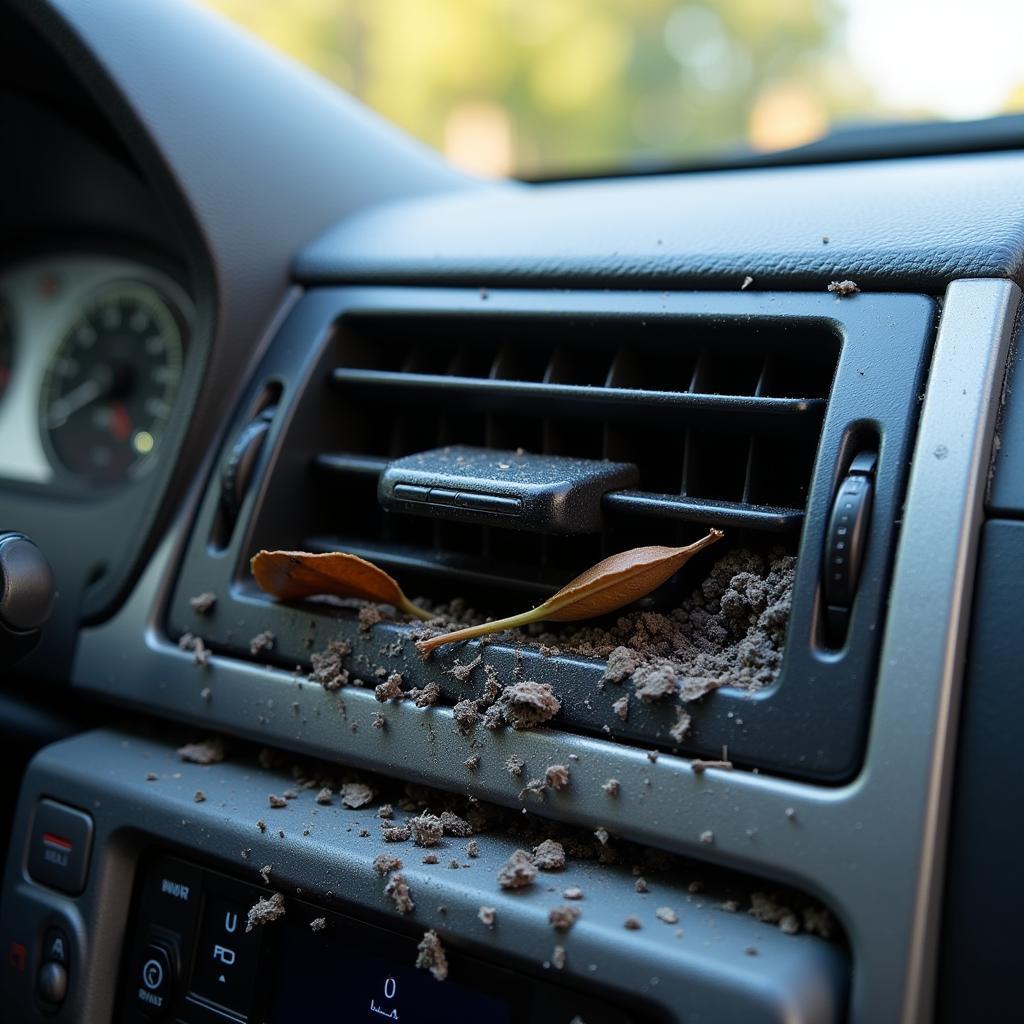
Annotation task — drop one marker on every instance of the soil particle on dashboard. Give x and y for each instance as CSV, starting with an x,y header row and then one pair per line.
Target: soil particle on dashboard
x,y
549,855
641,885
557,776
261,825
472,762
386,811
844,289
199,796
707,837
612,787
262,642
426,696
379,721
427,829
318,924
632,924
656,681
514,766
518,871
265,910
525,704
369,616
203,752
328,668
355,795
770,910
200,652
472,848
265,873
558,959
667,914
325,796
453,825
275,801
466,714
398,889
390,689
430,858
431,955
574,892
487,916
384,863
203,604
621,707
562,918
395,833
461,673
151,776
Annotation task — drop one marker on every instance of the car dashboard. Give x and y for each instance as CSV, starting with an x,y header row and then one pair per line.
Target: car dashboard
x,y
240,313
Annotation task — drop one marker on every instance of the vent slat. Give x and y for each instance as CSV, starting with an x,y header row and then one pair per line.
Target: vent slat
x,y
492,395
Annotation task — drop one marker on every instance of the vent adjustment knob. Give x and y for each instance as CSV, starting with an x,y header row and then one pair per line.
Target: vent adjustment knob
x,y
845,542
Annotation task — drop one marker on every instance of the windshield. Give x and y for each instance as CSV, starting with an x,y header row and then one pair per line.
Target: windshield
x,y
558,87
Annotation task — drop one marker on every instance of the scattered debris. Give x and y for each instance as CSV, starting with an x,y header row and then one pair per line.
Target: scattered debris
x,y
430,858
427,829
612,787
261,825
276,801
632,923
203,604
558,959
398,889
203,752
514,766
601,835
707,837
385,863
379,721
751,951
730,906
525,704
747,282
427,696
369,616
769,910
573,893
466,714
518,871
265,873
844,289
328,670
699,766
681,728
621,707
262,642
205,694
200,652
395,833
461,673
656,681
472,762
791,813
325,795
652,756
355,795
549,855
318,924
453,825
472,848
390,689
151,776
487,916
431,955
557,776
667,914
265,910
386,811
562,918
199,796
622,663
641,885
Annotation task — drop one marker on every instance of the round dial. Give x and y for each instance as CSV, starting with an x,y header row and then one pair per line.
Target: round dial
x,y
110,388
6,345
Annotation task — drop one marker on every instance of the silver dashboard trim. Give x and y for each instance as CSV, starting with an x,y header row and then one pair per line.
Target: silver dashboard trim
x,y
836,842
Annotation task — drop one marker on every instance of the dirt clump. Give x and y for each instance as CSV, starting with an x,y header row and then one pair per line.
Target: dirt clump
x,y
200,652
667,914
386,862
262,642
632,924
199,796
355,795
328,668
202,604
574,892
514,766
275,801
395,833
431,955
390,689
562,918
325,795
265,910
518,871
487,915
525,704
844,289
203,752
612,787
453,825
398,889
427,829
549,855
557,776
318,924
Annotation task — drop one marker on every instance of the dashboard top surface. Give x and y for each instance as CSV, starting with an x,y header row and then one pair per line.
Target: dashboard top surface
x,y
911,224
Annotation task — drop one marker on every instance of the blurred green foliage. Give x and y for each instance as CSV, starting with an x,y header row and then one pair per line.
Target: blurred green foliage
x,y
577,85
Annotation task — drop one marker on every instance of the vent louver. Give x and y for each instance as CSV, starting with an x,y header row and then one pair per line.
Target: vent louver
x,y
703,409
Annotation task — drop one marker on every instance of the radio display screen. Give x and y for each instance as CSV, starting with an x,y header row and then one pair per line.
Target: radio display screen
x,y
352,971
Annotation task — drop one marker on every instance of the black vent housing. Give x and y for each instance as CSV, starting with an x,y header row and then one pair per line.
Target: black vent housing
x,y
740,410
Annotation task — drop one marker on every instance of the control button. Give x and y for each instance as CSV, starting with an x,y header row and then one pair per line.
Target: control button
x,y
52,983
56,946
59,847
225,965
155,979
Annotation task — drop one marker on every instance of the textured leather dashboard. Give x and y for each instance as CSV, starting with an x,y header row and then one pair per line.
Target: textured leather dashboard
x,y
911,224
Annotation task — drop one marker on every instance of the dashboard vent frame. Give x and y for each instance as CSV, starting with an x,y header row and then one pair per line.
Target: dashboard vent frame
x,y
812,722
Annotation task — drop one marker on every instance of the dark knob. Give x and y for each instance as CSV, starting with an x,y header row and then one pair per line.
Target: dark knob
x,y
52,983
27,585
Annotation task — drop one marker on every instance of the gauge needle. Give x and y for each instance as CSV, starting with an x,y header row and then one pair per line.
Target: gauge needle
x,y
88,391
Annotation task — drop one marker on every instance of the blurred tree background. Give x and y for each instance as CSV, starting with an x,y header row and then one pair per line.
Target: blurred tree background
x,y
564,86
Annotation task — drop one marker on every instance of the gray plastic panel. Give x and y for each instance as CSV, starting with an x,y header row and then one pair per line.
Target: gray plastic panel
x,y
871,848
703,976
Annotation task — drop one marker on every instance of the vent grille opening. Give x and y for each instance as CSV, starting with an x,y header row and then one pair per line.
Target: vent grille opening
x,y
722,416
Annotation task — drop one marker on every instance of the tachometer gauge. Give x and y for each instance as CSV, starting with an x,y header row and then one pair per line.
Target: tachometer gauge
x,y
6,345
109,390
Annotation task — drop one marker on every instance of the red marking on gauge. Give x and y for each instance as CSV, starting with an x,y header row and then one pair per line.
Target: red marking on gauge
x,y
120,422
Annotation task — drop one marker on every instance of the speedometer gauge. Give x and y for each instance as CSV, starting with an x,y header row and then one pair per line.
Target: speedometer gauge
x,y
109,390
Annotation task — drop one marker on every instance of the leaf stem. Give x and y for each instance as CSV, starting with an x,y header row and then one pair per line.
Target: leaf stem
x,y
409,608
426,647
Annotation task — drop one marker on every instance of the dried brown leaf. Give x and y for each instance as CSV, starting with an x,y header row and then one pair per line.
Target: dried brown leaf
x,y
293,575
614,582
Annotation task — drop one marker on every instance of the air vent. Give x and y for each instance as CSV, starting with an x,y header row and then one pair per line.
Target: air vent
x,y
738,410
704,410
